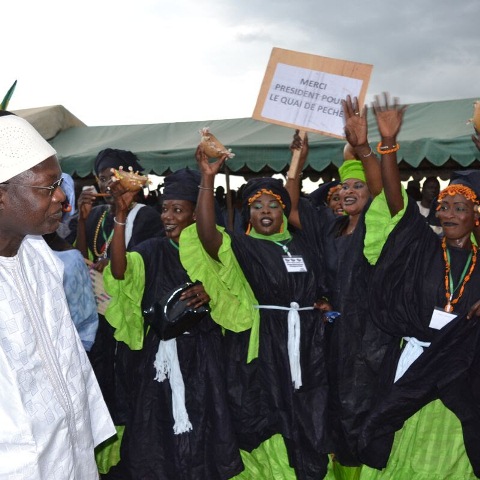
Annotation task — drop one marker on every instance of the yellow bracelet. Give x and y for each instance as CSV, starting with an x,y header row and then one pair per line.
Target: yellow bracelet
x,y
384,150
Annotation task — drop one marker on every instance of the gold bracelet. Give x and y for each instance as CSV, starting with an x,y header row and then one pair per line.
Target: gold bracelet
x,y
384,150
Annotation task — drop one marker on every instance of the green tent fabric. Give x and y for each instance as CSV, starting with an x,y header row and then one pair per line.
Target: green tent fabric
x,y
434,135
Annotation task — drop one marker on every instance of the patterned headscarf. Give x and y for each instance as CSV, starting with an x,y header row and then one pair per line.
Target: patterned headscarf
x,y
466,178
273,186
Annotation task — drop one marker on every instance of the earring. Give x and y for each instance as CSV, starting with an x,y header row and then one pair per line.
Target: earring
x,y
436,214
477,222
249,227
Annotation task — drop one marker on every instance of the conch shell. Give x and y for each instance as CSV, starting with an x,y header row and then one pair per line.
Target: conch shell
x,y
212,147
476,116
130,180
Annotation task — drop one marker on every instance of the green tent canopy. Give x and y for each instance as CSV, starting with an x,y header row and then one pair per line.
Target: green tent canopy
x,y
435,139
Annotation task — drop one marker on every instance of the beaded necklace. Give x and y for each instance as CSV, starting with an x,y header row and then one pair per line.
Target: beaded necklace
x,y
472,260
100,224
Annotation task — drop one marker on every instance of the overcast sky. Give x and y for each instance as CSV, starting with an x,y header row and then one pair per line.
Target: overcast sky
x,y
116,62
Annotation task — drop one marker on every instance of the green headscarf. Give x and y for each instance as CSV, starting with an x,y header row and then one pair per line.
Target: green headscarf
x,y
352,169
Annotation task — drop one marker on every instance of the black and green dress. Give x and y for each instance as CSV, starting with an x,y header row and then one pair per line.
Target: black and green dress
x,y
263,399
150,448
426,425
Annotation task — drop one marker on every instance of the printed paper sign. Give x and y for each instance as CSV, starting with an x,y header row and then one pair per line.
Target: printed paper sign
x,y
306,91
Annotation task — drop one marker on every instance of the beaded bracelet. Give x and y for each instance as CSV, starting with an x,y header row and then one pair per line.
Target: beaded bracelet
x,y
384,150
117,222
206,188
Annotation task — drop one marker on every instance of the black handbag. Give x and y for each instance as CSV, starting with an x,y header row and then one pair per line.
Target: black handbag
x,y
170,316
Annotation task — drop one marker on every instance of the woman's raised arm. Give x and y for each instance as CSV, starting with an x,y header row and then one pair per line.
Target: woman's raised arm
x,y
356,132
389,120
210,237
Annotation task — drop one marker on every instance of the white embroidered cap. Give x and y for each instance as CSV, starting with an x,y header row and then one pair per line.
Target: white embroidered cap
x,y
21,147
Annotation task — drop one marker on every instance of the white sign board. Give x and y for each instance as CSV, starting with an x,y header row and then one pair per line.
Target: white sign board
x,y
306,91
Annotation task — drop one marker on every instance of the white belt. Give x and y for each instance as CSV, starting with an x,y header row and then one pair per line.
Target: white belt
x,y
168,366
293,338
413,349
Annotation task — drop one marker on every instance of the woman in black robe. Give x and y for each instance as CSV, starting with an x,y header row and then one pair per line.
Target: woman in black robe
x,y
94,232
283,389
355,345
111,358
167,437
425,290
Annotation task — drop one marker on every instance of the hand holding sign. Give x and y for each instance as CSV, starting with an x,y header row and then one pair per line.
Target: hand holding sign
x,y
299,148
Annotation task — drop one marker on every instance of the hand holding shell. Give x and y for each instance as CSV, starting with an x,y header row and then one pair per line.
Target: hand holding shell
x,y
212,147
130,180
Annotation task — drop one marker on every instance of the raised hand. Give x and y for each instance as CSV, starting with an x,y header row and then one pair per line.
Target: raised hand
x,y
389,117
300,144
123,198
356,128
205,166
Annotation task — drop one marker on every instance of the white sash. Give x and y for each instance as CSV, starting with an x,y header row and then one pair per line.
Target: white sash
x,y
293,338
168,366
413,349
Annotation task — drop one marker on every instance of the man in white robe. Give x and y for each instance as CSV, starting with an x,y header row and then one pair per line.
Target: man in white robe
x,y
52,413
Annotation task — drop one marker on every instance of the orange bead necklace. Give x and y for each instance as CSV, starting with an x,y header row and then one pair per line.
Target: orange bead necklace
x,y
472,260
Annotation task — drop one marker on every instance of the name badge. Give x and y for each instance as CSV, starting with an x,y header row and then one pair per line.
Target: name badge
x,y
440,318
294,263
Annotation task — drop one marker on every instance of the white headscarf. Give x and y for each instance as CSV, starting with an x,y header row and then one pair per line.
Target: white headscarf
x,y
21,147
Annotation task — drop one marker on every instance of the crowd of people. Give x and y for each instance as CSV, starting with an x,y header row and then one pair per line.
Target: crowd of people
x,y
333,335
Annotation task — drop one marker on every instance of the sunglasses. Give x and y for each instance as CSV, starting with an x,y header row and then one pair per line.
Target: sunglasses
x,y
51,188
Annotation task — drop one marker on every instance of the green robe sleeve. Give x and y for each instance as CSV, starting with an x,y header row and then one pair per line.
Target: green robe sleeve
x,y
124,311
379,224
232,299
